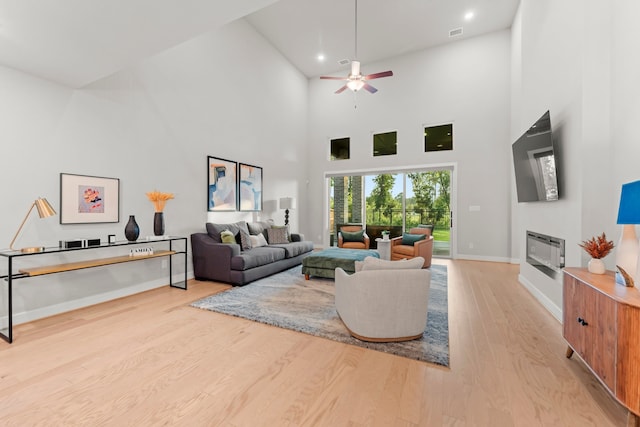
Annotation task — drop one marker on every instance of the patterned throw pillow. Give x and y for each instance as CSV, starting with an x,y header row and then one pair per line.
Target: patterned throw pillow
x,y
286,228
245,240
277,236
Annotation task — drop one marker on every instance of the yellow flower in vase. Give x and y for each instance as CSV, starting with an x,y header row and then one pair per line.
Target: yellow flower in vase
x,y
159,200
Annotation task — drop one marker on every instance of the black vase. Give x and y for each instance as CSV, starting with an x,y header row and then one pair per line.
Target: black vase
x,y
132,231
158,224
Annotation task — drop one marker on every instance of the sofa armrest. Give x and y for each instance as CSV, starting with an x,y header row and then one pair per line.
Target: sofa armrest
x,y
212,260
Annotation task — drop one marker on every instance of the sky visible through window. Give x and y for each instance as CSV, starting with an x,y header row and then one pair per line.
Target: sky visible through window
x,y
397,186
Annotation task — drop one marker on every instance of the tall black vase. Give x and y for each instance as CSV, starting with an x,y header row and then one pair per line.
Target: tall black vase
x,y
131,230
158,224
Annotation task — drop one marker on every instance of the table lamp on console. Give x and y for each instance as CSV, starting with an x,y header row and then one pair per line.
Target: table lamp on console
x,y
44,211
628,248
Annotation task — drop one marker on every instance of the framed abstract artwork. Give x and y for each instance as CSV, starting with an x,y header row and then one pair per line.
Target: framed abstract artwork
x,y
222,184
250,188
89,199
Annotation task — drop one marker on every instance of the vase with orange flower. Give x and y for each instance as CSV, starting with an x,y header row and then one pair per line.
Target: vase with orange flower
x,y
159,200
598,247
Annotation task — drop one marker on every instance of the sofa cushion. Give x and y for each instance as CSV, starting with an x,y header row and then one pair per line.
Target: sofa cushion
x,y
277,236
371,263
353,236
404,250
214,230
410,239
257,257
259,227
294,249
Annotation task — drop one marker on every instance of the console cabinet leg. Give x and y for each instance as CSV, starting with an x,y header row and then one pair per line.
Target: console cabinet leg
x,y
569,352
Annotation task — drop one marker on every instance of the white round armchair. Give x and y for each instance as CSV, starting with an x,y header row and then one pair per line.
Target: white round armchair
x,y
385,301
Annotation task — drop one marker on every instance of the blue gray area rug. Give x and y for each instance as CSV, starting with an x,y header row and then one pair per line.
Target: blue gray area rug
x,y
289,301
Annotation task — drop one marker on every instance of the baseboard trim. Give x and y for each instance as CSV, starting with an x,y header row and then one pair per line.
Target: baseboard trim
x,y
542,298
482,258
52,310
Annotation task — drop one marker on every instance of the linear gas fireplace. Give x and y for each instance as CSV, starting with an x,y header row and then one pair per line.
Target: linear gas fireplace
x,y
546,253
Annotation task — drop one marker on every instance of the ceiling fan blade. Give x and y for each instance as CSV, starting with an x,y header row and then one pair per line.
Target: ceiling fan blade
x,y
333,78
378,75
342,89
369,88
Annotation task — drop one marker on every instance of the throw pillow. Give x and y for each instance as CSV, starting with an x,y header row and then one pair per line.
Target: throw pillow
x,y
277,236
410,239
353,236
227,236
258,240
286,228
371,263
245,240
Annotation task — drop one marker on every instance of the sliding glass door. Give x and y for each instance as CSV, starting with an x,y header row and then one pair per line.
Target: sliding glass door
x,y
395,202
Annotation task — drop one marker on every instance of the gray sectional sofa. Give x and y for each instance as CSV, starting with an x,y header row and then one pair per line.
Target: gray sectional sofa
x,y
240,263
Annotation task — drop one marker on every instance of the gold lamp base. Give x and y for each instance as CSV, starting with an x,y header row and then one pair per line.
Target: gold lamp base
x,y
32,249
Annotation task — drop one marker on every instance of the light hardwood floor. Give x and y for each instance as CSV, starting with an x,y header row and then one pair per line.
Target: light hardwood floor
x,y
150,359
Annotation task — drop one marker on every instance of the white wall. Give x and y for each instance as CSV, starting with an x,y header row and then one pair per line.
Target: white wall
x,y
227,93
577,60
465,83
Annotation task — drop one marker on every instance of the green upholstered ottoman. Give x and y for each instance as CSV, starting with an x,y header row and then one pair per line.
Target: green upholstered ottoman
x,y
324,263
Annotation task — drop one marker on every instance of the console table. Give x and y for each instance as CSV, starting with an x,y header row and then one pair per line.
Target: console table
x,y
166,245
601,320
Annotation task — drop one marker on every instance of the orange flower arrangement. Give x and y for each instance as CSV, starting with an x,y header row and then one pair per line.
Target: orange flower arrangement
x,y
159,199
598,247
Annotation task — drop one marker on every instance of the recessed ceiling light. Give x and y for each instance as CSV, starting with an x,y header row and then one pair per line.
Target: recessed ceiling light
x,y
320,57
469,16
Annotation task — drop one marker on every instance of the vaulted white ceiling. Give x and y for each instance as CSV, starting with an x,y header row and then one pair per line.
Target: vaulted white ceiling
x,y
76,42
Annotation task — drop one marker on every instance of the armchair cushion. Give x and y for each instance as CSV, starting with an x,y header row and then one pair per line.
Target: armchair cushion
x,y
371,263
411,239
353,236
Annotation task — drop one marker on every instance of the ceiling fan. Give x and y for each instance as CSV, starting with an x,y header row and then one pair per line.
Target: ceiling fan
x,y
355,80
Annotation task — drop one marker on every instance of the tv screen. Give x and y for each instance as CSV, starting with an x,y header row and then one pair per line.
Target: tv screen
x,y
535,163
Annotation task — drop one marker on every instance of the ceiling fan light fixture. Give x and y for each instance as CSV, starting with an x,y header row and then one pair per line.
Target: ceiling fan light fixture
x,y
355,80
355,85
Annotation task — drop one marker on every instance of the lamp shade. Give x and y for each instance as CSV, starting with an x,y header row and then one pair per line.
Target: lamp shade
x,y
45,209
288,203
629,210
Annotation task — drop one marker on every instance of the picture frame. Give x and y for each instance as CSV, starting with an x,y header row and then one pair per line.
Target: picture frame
x,y
86,199
250,188
222,185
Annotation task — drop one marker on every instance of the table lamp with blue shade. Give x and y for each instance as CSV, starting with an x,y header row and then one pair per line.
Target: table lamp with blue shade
x,y
628,248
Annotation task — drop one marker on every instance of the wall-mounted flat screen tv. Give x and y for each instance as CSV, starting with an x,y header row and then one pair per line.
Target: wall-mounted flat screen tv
x,y
534,162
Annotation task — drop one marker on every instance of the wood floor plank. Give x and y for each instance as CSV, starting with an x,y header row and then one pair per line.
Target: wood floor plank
x,y
151,359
